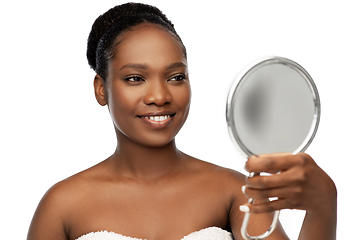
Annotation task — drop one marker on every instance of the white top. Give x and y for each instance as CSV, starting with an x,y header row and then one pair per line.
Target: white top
x,y
211,233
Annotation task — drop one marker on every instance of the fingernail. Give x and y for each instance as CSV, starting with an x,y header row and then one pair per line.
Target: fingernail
x,y
244,208
243,189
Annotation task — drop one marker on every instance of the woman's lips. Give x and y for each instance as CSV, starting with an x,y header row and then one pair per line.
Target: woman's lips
x,y
157,120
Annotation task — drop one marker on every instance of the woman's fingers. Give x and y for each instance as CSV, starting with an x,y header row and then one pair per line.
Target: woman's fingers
x,y
268,206
300,184
288,186
291,177
292,194
272,163
262,194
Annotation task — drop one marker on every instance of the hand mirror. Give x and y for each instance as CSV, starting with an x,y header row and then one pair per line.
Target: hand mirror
x,y
273,106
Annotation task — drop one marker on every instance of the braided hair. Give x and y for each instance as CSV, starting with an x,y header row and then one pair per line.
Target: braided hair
x,y
102,40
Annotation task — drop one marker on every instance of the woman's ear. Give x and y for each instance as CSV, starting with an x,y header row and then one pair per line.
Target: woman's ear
x,y
100,90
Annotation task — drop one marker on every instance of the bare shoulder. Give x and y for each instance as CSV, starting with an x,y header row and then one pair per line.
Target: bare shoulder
x,y
61,194
70,186
215,169
230,178
50,220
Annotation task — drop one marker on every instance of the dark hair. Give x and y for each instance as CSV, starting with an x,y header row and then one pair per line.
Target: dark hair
x,y
108,26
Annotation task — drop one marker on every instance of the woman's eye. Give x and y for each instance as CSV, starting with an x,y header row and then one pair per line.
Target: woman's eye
x,y
134,79
180,77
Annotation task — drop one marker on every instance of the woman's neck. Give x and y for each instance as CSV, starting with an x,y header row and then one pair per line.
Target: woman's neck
x,y
143,162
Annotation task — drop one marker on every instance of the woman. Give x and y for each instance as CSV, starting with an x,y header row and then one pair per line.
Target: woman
x,y
149,189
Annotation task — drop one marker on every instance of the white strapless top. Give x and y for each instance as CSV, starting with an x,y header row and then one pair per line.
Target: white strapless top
x,y
211,233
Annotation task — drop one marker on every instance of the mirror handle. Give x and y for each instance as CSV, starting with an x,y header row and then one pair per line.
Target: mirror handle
x,y
245,223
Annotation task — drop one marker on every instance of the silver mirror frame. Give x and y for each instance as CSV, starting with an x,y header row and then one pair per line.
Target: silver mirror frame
x,y
241,78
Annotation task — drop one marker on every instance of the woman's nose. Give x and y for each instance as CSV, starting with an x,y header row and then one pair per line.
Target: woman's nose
x,y
157,93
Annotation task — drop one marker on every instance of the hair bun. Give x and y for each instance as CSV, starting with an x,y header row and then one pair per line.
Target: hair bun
x,y
114,15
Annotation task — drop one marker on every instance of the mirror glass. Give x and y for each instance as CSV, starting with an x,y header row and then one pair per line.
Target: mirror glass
x,y
273,106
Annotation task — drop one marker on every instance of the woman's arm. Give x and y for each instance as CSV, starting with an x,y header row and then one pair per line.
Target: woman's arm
x,y
300,184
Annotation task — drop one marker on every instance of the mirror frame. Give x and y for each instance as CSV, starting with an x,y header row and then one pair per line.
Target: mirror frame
x,y
242,77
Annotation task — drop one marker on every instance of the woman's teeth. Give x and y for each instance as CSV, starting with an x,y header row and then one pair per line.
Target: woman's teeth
x,y
158,118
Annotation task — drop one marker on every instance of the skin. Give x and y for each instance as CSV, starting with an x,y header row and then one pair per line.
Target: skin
x,y
148,188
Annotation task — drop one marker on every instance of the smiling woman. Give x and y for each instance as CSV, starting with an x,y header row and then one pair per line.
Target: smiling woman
x,y
149,189
147,78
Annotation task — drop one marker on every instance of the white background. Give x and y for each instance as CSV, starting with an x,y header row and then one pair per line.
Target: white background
x,y
52,127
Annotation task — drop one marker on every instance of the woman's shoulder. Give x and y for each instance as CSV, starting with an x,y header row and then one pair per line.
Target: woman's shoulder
x,y
215,172
221,183
69,190
60,202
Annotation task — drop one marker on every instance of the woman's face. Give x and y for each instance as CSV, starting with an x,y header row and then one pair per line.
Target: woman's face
x,y
148,90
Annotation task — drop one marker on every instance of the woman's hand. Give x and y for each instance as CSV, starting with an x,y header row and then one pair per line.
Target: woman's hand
x,y
299,184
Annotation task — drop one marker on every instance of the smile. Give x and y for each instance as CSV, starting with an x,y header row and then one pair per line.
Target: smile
x,y
157,118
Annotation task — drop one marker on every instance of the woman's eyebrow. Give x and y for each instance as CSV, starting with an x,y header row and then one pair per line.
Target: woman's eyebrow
x,y
145,66
135,65
176,65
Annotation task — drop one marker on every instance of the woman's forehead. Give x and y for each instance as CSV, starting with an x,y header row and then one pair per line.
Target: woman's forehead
x,y
148,44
